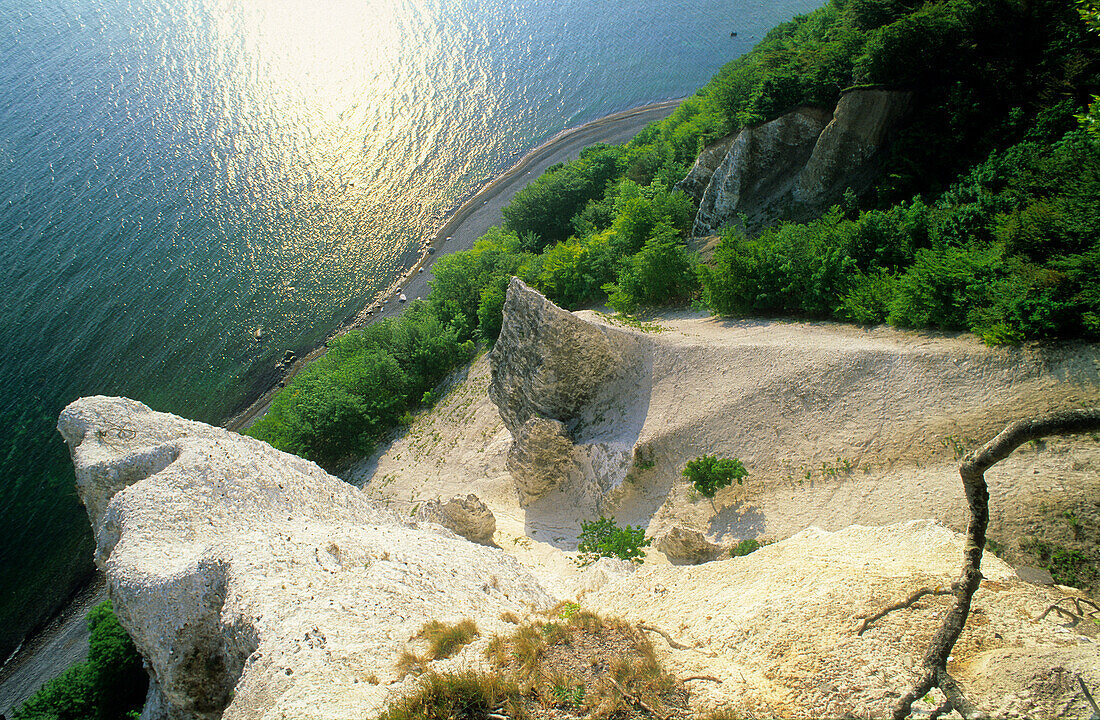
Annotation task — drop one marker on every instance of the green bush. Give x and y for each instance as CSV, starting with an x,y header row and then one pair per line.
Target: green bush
x,y
662,272
603,538
341,404
709,474
942,287
745,547
109,685
541,214
868,299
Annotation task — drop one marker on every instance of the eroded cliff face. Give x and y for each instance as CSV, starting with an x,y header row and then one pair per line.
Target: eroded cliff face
x,y
258,586
255,584
795,166
571,392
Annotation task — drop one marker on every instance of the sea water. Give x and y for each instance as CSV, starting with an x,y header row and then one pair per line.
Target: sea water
x,y
180,176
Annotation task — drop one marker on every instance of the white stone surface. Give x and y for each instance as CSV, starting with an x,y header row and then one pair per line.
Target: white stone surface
x,y
256,584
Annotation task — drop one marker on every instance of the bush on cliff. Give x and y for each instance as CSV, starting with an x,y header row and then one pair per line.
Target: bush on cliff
x,y
604,538
109,685
709,474
541,213
661,273
344,402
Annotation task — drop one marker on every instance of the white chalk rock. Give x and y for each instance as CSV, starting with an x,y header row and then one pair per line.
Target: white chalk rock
x,y
255,584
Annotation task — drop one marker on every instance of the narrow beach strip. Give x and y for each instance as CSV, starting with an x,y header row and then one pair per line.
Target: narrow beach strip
x,y
471,220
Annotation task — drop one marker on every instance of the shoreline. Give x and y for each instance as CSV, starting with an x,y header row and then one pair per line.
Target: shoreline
x,y
452,236
64,636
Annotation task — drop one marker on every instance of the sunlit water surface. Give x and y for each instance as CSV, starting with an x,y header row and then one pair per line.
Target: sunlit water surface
x,y
176,174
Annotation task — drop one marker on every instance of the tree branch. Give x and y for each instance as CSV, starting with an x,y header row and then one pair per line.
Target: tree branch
x,y
972,470
907,602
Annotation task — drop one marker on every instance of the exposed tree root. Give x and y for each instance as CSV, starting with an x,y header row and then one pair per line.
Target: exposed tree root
x,y
1078,606
634,699
907,602
1088,696
972,470
666,636
701,677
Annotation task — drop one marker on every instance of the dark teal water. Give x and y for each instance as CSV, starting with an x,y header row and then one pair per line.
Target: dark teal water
x,y
176,174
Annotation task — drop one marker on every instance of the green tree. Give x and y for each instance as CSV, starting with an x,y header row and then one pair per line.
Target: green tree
x,y
709,474
604,538
109,685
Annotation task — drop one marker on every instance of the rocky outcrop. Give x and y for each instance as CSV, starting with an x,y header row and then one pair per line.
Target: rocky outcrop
x,y
465,515
256,585
687,546
780,627
541,458
698,178
797,165
572,393
847,153
759,170
549,363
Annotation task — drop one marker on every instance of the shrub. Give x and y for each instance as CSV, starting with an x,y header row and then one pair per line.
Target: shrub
x,y
541,214
603,538
661,273
108,685
1066,565
745,547
342,403
709,474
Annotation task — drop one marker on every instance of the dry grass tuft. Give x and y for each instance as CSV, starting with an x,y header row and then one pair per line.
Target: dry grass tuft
x,y
460,695
446,640
409,663
577,664
574,664
510,617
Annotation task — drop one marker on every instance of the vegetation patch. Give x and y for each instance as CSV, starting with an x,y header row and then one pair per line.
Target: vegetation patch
x,y
604,538
1067,566
460,695
745,547
446,640
578,664
709,474
110,684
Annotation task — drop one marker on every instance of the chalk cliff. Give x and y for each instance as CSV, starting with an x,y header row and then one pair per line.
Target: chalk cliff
x,y
255,584
258,586
570,392
794,166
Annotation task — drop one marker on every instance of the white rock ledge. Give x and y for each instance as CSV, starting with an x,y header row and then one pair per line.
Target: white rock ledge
x,y
255,584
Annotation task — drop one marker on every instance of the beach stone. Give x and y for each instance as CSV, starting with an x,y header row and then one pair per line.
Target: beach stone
x,y
253,583
1034,575
465,515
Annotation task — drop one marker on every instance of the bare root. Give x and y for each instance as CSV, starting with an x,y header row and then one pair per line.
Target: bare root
x,y
972,470
907,602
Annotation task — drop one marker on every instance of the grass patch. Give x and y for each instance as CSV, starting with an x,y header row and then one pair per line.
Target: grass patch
x,y
585,665
745,547
459,695
1066,565
446,640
